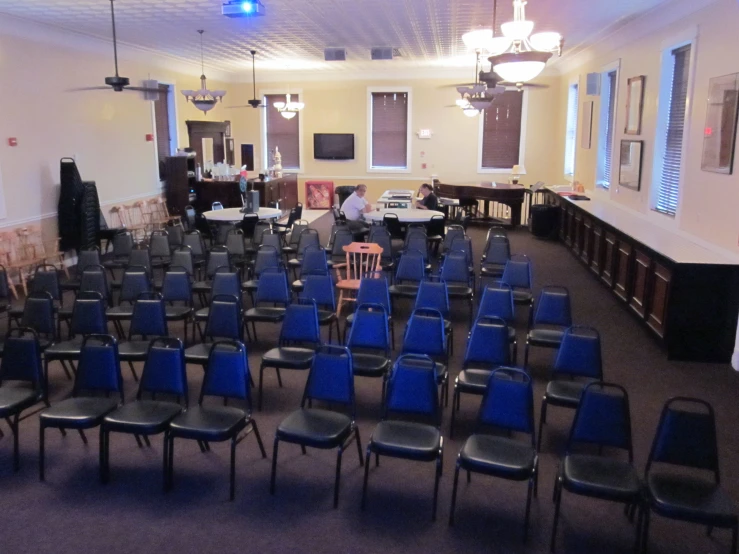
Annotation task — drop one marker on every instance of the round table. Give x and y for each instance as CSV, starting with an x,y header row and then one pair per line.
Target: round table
x,y
405,215
234,214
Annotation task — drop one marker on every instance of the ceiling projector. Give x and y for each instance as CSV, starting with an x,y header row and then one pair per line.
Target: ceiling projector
x,y
242,8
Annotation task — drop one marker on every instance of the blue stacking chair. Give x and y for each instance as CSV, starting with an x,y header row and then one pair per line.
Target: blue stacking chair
x,y
225,281
496,255
164,374
38,314
411,393
267,257
225,322
425,335
134,283
341,236
99,371
369,342
373,289
299,337
507,405
308,237
314,262
177,295
271,289
579,357
381,236
434,294
602,419
320,289
551,316
45,280
496,300
517,275
148,322
218,257
487,349
455,273
227,377
408,275
330,380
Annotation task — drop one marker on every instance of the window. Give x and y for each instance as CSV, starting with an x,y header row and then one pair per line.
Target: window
x,y
281,133
501,132
607,120
389,125
671,126
571,133
162,126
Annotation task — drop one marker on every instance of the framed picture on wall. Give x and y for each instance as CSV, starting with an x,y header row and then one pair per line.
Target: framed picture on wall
x,y
629,170
719,134
634,104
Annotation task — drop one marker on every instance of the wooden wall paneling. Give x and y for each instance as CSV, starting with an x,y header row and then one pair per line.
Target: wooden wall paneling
x,y
623,270
563,223
577,233
639,297
609,258
596,260
587,239
661,277
570,225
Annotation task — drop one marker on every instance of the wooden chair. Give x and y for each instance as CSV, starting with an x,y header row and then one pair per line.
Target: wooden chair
x,y
138,221
361,258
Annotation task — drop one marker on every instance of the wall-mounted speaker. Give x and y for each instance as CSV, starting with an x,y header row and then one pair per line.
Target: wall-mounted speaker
x,y
592,84
151,83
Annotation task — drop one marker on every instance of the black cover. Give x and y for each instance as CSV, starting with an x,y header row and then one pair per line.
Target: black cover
x,y
89,217
70,196
544,221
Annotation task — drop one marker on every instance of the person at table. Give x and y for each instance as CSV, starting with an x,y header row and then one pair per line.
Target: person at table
x,y
354,209
429,201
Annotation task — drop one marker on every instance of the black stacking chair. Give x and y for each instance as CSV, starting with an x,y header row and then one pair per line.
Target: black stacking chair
x,y
330,380
496,255
292,244
435,231
99,372
218,257
181,257
225,282
579,357
247,226
314,262
411,270
45,280
122,247
260,228
487,349
177,296
134,283
455,273
507,405
381,236
392,224
236,248
295,214
38,314
164,374
225,322
602,419
411,392
160,249
308,238
300,335
149,321
369,342
267,257
21,365
320,289
548,320
341,236
195,242
94,279
271,289
686,439
453,232
84,258
226,376
139,258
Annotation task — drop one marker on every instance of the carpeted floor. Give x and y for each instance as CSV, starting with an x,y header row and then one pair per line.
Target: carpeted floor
x,y
73,512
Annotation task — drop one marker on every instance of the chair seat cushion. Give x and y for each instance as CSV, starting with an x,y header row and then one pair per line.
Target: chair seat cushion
x,y
406,439
370,365
501,456
459,291
268,314
119,312
133,350
404,290
294,263
326,316
202,286
492,270
142,416
314,427
564,393
177,312
79,412
64,313
15,399
522,296
208,423
202,314
350,319
551,338
289,357
600,477
66,348
250,285
198,353
472,380
690,498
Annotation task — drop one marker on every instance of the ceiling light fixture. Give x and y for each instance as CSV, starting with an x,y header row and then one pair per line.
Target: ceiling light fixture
x,y
288,109
203,99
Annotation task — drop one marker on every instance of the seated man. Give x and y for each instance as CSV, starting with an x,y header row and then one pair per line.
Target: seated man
x,y
354,207
430,200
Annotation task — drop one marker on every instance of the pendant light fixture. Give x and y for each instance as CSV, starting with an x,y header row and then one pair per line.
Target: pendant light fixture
x,y
288,109
203,99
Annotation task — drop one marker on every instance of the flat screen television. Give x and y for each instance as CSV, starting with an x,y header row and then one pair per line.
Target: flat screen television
x,y
333,146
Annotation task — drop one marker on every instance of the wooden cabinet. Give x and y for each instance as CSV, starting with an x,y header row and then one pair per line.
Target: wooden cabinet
x,y
623,270
180,180
640,288
596,260
577,233
587,239
570,226
563,221
282,191
609,258
661,276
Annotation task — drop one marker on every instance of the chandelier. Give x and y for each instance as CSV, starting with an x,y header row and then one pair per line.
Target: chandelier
x,y
203,99
478,96
288,109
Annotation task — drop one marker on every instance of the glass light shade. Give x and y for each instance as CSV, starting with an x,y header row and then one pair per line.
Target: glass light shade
x,y
498,45
481,104
546,42
288,115
462,102
517,30
204,105
520,67
296,106
477,39
470,112
279,105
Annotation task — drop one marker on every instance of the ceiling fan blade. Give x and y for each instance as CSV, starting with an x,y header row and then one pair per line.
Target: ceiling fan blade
x,y
79,89
455,85
143,89
508,84
241,106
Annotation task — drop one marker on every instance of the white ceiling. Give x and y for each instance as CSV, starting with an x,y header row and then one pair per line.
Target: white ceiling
x,y
293,33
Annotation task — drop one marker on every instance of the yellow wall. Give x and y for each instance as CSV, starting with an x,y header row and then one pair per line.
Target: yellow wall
x,y
708,206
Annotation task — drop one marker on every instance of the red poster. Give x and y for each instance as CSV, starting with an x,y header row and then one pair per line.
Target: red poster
x,y
319,195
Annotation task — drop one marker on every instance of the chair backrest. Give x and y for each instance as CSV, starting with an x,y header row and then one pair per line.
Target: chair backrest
x,y
248,224
497,250
159,246
140,257
308,237
272,287
182,257
46,279
434,295
176,285
194,240
424,334
21,359
455,268
463,245
38,314
517,272
135,281
295,214
226,282
602,418
164,369
300,324
452,232
260,228
296,231
331,378
176,234
435,226
553,307
341,237
374,290
314,261
392,224
88,314
268,257
580,353
412,388
362,258
4,287
224,318
381,236
190,217
411,267
217,257
497,300
85,258
216,206
273,239
686,436
320,289
416,239
122,245
99,368
149,318
235,242
370,328
94,279
488,345
497,231
227,372
508,402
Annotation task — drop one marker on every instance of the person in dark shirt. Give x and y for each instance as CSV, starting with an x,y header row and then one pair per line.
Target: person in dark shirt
x,y
430,200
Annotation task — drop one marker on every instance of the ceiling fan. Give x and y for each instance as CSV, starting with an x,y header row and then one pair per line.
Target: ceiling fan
x,y
475,97
117,83
254,102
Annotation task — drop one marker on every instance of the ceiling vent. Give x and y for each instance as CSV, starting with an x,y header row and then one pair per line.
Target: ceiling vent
x,y
334,54
397,53
382,53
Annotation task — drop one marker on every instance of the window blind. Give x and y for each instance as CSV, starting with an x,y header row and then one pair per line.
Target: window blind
x,y
610,103
571,132
669,184
501,132
161,123
282,133
389,130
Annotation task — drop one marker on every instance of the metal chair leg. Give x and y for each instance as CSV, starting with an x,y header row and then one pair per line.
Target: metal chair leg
x,y
274,467
259,438
338,477
542,421
436,486
359,446
528,510
366,477
454,494
42,452
233,468
556,514
82,434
